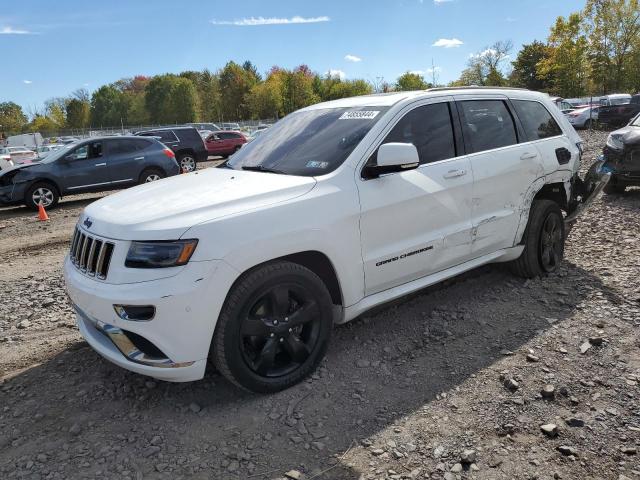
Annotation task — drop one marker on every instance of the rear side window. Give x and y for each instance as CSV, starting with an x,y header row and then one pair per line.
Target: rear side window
x,y
429,128
488,124
127,146
536,120
188,135
228,136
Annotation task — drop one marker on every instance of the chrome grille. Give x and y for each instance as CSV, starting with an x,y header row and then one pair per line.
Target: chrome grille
x,y
91,255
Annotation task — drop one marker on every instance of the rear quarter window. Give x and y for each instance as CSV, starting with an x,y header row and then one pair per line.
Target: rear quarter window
x,y
189,135
536,120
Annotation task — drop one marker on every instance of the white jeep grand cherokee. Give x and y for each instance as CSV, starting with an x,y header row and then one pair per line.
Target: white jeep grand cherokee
x,y
337,208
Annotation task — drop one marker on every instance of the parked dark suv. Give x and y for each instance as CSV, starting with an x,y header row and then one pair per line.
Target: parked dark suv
x,y
93,165
186,143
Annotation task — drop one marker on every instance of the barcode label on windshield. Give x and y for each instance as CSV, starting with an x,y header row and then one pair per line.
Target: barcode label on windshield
x,y
359,115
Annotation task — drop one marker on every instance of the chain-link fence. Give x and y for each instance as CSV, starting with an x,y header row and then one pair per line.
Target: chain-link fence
x,y
96,131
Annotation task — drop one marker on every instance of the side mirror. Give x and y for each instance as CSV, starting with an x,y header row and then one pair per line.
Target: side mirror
x,y
393,157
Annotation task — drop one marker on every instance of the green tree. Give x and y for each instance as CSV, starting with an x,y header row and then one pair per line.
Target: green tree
x,y
411,81
78,113
12,119
566,64
107,107
525,71
157,100
265,99
486,68
613,29
184,101
235,85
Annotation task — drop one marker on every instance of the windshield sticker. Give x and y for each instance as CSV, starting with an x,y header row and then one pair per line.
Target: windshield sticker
x,y
359,115
314,164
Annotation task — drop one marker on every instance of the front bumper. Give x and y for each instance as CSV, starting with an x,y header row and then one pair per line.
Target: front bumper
x,y
175,343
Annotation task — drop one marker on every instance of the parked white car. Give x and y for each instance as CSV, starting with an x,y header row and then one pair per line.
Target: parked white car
x,y
583,117
19,155
45,150
342,206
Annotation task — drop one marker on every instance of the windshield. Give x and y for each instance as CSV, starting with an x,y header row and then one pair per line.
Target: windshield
x,y
308,143
57,153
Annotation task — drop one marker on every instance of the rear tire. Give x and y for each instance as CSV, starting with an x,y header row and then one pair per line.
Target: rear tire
x,y
41,192
187,162
543,241
150,175
274,327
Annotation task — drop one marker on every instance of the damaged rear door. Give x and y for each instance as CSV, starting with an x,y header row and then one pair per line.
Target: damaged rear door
x,y
503,169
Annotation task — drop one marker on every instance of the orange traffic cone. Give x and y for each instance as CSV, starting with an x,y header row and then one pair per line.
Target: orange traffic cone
x,y
42,213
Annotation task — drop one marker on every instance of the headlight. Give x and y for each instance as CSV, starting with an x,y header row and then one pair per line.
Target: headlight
x,y
160,254
614,142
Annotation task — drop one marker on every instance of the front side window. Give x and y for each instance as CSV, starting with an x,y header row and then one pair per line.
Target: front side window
x,y
429,128
308,142
536,120
488,124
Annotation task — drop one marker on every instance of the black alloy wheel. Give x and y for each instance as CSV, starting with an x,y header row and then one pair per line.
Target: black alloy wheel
x,y
280,330
274,327
551,243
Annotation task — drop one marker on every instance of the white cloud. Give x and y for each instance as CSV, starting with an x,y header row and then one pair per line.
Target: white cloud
x,y
434,70
352,58
7,30
440,2
256,21
417,72
336,73
27,82
447,43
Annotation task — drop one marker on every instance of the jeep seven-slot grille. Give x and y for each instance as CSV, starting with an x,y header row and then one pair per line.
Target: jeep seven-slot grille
x,y
91,255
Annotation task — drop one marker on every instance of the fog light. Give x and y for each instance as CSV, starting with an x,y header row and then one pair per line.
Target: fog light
x,y
140,313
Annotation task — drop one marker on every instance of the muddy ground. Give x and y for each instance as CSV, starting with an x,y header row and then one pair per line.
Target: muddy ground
x,y
453,382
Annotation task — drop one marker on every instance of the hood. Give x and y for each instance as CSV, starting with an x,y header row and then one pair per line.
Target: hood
x,y
629,135
20,166
165,209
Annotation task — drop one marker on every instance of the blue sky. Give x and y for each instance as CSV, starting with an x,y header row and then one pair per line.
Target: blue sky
x,y
52,48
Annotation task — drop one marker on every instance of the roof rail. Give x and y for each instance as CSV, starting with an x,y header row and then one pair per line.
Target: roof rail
x,y
474,87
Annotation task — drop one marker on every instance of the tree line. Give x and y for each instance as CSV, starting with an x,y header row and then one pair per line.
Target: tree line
x,y
592,52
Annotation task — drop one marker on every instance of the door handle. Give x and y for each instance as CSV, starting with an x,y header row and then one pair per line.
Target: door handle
x,y
101,164
455,173
139,158
528,156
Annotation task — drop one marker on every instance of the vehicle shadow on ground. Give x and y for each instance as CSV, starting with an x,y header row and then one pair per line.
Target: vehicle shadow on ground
x,y
383,366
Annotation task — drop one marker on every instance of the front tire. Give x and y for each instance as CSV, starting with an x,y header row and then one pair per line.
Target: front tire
x,y
274,328
543,241
41,192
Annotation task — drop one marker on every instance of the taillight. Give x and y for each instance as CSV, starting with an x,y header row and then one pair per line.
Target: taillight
x,y
169,153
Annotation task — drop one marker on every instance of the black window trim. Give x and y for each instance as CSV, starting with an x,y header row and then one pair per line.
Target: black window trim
x,y
468,148
525,137
455,124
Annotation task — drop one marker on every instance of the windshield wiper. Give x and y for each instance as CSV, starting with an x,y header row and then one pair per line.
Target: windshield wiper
x,y
262,168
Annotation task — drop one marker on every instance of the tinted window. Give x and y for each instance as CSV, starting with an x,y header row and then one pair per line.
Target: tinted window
x,y
488,124
164,135
309,142
536,120
228,136
430,129
188,134
127,146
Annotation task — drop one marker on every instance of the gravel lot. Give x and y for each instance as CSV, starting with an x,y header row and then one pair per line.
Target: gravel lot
x,y
485,376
